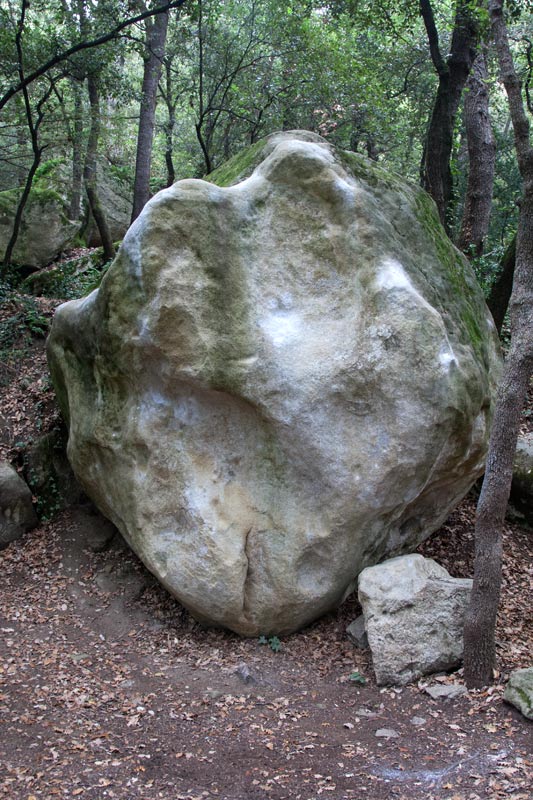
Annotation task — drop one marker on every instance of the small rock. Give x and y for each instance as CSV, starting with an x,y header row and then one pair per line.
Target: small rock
x,y
5,430
17,514
79,657
357,633
418,721
448,692
519,691
365,712
414,617
387,733
244,674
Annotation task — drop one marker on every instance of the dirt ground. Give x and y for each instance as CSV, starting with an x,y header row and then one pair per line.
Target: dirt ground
x,y
109,689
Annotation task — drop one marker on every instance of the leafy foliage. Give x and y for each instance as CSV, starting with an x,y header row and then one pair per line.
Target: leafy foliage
x,y
20,321
273,642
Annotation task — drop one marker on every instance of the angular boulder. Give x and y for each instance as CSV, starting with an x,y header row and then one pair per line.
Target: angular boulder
x,y
414,615
279,382
17,514
522,485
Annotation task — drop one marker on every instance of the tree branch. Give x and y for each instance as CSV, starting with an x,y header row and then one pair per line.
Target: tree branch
x,y
86,45
512,85
426,13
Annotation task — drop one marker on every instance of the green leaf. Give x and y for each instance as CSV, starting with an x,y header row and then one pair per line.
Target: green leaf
x,y
356,677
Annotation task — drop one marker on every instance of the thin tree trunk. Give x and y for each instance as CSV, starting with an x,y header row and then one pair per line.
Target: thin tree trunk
x,y
479,636
169,149
500,293
170,103
20,209
33,127
89,173
482,159
204,145
205,149
22,149
77,156
156,35
453,73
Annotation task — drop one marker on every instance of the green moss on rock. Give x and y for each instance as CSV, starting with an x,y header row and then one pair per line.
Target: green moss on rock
x,y
239,167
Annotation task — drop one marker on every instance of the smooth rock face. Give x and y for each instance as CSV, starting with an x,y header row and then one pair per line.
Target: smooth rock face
x,y
279,382
519,691
414,616
16,510
522,485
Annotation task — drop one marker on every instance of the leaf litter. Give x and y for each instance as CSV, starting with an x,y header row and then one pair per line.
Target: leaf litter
x,y
109,689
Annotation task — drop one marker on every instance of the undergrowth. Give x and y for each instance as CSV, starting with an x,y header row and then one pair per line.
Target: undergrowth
x,y
21,321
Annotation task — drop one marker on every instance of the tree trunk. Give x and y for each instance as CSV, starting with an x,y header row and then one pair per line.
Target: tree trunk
x,y
482,158
33,128
480,620
204,144
170,103
89,173
8,256
169,160
453,73
156,35
500,293
77,157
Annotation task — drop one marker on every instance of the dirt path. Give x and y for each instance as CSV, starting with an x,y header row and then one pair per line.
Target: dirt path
x,y
108,689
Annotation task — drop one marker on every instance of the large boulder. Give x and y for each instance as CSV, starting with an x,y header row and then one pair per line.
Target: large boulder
x,y
278,382
45,229
522,485
17,514
116,200
414,616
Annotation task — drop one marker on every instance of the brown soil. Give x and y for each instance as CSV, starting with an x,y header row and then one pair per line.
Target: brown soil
x,y
108,688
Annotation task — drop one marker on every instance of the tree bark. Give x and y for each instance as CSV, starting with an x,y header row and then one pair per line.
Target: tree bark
x,y
479,635
453,73
482,159
156,35
170,103
89,173
77,156
501,290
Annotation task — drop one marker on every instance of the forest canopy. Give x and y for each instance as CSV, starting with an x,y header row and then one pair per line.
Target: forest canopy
x,y
364,75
